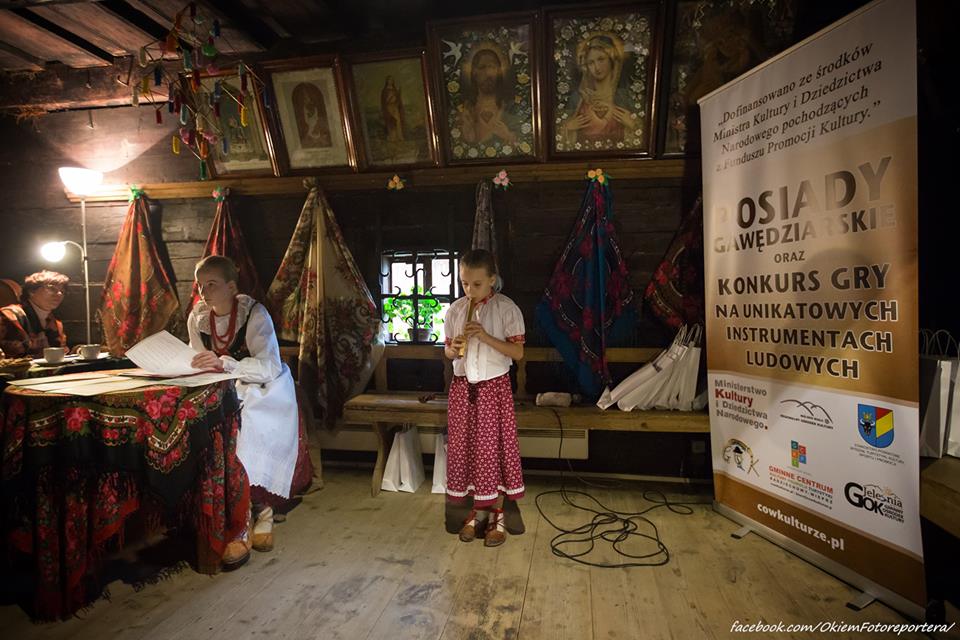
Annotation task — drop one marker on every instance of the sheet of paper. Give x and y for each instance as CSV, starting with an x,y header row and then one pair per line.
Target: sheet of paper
x,y
98,387
64,386
164,354
198,380
35,382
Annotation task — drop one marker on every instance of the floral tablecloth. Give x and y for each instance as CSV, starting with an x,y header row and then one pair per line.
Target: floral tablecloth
x,y
73,469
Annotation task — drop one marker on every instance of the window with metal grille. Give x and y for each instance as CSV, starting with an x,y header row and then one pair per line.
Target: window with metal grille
x,y
416,290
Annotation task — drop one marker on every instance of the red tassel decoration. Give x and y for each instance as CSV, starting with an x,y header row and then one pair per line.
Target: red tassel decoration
x,y
191,137
216,110
195,81
159,117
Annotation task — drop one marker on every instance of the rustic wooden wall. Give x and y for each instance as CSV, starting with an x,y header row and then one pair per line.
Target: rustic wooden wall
x,y
534,219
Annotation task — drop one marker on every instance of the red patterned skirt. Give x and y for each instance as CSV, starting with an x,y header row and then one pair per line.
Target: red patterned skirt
x,y
483,456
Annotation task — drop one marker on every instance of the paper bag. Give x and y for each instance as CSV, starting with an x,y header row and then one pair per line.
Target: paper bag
x,y
391,472
440,464
411,459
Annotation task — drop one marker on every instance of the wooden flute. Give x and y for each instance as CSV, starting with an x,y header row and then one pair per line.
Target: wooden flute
x,y
463,347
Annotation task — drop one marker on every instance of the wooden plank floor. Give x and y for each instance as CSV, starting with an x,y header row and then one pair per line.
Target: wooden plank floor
x,y
350,566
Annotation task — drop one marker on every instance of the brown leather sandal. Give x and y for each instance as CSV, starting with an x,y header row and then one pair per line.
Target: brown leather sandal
x,y
496,533
472,528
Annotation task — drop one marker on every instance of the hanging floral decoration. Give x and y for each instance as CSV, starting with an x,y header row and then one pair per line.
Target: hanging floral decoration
x,y
396,183
597,175
502,180
197,40
135,192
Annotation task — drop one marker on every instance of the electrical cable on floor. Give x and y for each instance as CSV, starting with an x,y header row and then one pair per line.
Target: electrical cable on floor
x,y
608,525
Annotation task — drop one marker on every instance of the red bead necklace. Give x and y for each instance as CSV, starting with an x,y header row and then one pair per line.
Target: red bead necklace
x,y
221,344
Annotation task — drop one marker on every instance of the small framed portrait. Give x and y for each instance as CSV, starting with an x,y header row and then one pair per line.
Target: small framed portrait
x,y
391,109
242,145
602,70
309,115
712,43
486,78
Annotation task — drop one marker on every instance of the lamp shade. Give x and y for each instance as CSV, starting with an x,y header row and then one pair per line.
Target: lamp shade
x,y
83,182
53,251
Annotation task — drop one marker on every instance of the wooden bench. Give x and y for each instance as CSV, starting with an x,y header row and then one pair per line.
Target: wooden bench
x,y
384,409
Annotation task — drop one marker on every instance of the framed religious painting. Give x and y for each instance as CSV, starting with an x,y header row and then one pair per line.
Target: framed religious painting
x,y
485,73
228,121
602,73
309,114
713,42
391,110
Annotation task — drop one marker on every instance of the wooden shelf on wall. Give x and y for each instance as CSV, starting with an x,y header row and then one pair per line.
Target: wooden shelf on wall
x,y
272,186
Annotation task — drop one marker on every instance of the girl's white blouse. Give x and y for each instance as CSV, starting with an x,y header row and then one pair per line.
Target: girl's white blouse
x,y
501,318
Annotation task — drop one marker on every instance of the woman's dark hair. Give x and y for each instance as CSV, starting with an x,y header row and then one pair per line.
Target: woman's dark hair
x,y
221,264
42,279
476,258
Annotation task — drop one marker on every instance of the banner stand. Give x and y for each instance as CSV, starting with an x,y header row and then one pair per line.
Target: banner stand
x,y
870,589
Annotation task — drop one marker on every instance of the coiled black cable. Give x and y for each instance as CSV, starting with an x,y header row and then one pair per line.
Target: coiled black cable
x,y
608,525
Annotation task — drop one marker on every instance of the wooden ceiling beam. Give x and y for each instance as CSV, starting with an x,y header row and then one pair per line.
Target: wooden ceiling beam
x,y
59,87
139,19
17,4
255,29
64,34
29,62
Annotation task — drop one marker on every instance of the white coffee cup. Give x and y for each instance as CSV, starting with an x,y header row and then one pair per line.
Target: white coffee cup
x,y
90,351
54,354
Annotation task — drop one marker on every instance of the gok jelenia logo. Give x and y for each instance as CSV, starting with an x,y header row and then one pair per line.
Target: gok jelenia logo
x,y
875,425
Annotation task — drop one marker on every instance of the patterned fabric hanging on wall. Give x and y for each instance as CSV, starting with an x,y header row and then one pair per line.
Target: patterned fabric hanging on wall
x,y
226,239
139,297
484,231
588,304
319,299
675,292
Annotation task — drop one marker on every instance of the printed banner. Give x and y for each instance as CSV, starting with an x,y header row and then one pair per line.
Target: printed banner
x,y
810,250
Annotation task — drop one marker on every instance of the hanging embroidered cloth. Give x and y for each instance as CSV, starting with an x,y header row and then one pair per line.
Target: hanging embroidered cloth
x,y
675,292
484,231
226,239
587,306
139,298
319,299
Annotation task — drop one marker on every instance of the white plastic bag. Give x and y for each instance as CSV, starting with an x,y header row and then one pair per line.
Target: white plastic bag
x,y
938,373
637,382
440,464
691,373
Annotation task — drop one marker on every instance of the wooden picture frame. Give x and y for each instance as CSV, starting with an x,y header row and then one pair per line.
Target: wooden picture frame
x,y
493,119
250,150
309,114
708,44
602,67
391,110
